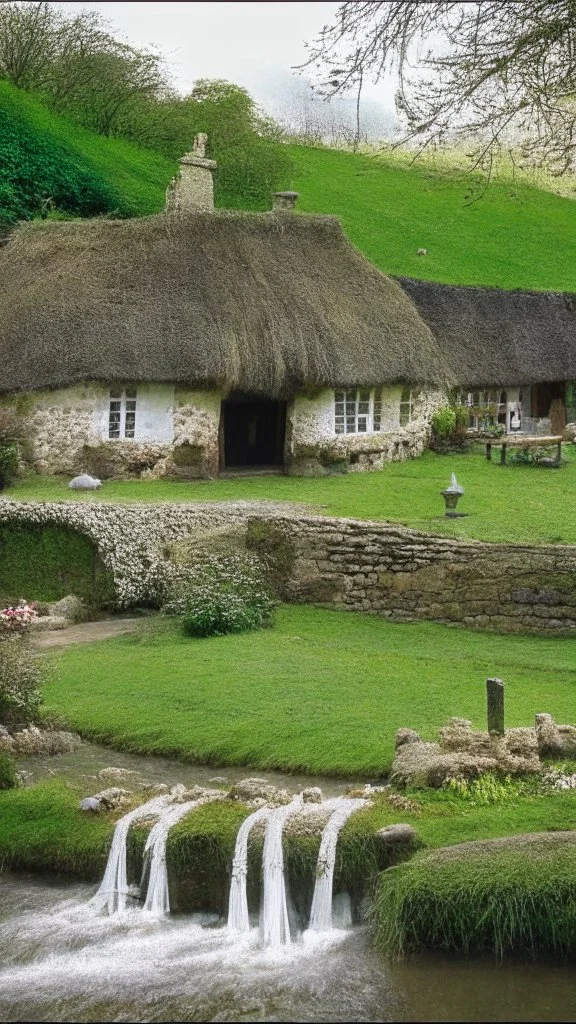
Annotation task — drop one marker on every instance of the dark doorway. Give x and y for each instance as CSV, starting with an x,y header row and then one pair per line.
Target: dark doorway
x,y
253,432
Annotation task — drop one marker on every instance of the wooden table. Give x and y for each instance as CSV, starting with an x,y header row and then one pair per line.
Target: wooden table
x,y
519,441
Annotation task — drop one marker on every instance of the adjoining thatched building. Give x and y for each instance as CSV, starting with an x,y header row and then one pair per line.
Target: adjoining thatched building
x,y
198,340
513,353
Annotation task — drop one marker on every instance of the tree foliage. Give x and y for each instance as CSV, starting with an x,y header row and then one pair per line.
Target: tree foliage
x,y
499,73
75,63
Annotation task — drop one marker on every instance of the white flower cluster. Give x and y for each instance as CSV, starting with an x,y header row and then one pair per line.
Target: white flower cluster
x,y
131,539
221,594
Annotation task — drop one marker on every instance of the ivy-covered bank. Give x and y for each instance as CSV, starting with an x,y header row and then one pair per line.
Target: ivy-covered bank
x,y
130,540
51,561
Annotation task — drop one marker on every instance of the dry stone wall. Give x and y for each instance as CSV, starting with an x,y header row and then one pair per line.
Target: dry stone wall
x,y
402,574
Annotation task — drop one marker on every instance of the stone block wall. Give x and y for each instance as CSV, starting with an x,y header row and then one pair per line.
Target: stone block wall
x,y
402,574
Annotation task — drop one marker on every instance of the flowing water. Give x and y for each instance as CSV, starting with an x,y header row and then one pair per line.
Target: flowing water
x,y
321,913
114,891
61,960
274,923
238,917
157,897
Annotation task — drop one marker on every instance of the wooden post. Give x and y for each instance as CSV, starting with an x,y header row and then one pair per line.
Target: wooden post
x,y
559,456
495,705
489,451
503,454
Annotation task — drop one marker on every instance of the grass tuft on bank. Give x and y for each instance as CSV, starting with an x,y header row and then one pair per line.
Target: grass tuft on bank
x,y
504,898
321,692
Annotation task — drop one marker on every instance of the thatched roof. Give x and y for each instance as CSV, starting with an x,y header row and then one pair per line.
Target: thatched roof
x,y
265,303
494,337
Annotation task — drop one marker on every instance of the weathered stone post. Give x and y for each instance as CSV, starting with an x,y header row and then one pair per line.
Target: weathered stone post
x,y
495,705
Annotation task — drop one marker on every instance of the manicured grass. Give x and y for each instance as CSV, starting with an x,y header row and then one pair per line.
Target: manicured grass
x,y
322,692
516,236
519,504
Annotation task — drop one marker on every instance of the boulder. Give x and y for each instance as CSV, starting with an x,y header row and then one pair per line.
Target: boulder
x,y
112,798
251,789
42,742
91,803
555,740
85,482
396,834
312,795
71,608
404,736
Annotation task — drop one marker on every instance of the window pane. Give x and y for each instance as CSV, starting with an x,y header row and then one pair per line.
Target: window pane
x,y
363,408
364,395
351,426
362,424
340,426
338,396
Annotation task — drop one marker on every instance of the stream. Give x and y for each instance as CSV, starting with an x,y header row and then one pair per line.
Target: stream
x,y
63,960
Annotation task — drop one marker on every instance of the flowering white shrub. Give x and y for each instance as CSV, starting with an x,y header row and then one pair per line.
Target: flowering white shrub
x,y
130,538
221,594
16,620
20,677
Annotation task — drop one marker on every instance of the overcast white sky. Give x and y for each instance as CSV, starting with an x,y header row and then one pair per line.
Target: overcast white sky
x,y
246,43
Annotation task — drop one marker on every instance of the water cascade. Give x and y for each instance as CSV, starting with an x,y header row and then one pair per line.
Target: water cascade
x,y
238,919
114,886
274,924
157,897
321,913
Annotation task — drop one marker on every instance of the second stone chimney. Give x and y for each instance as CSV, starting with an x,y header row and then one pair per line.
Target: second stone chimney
x,y
192,190
284,200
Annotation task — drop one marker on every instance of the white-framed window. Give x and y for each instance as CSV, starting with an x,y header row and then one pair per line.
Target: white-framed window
x,y
407,401
486,408
359,410
122,413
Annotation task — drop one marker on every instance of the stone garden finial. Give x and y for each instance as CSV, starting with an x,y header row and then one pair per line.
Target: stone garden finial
x,y
199,145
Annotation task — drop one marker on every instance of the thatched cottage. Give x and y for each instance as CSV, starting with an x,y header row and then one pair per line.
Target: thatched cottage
x,y
198,341
513,353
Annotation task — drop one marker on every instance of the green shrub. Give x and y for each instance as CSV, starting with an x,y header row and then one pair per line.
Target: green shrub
x,y
449,426
20,678
8,773
222,594
8,463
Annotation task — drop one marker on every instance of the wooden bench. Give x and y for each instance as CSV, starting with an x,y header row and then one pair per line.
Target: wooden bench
x,y
518,441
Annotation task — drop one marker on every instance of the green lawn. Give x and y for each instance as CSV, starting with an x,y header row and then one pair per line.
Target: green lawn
x,y
513,503
516,236
321,692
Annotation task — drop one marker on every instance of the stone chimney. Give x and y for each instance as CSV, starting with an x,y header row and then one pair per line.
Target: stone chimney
x,y
284,200
192,190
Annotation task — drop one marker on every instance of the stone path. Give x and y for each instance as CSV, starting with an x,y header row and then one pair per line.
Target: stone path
x,y
86,632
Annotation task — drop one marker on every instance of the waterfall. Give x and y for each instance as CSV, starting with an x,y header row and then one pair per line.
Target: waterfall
x,y
274,925
321,913
157,897
114,886
238,920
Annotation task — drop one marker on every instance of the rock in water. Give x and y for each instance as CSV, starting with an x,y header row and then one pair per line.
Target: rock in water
x,y
84,482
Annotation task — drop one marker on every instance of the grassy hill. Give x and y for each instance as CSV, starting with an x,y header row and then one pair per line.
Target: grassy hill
x,y
46,157
516,236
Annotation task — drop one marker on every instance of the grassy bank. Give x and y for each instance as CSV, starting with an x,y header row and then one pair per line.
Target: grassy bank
x,y
321,692
403,492
501,898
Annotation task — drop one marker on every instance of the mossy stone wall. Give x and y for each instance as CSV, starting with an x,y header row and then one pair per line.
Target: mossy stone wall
x,y
45,563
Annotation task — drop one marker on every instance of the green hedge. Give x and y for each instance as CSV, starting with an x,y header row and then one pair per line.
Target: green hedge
x,y
44,563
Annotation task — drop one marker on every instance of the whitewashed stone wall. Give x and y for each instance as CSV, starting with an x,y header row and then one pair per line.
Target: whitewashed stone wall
x,y
176,432
313,447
